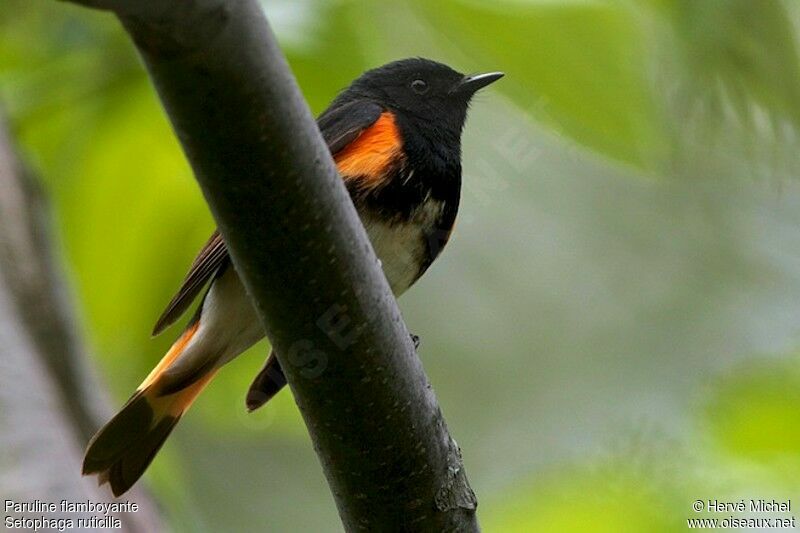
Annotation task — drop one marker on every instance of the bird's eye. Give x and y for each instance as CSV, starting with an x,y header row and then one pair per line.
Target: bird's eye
x,y
419,86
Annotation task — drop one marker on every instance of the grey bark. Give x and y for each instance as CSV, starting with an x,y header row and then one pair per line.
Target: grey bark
x,y
298,245
50,403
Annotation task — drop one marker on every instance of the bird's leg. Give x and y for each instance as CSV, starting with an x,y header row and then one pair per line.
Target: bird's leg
x,y
415,340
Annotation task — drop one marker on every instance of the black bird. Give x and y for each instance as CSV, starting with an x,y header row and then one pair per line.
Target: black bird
x,y
395,135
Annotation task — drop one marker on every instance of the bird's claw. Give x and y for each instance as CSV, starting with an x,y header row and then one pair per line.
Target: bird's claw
x,y
415,340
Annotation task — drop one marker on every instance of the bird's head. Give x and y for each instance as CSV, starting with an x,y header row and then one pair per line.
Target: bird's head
x,y
423,90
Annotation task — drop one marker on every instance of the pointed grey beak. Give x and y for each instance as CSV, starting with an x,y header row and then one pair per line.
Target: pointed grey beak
x,y
471,84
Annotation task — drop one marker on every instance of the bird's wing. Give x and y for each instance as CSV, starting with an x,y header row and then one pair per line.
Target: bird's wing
x,y
343,124
340,126
212,256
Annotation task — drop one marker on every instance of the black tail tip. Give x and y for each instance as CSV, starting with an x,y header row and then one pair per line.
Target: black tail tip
x,y
255,399
122,450
269,381
261,392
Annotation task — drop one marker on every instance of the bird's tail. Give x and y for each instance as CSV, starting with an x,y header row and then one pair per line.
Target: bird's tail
x,y
122,450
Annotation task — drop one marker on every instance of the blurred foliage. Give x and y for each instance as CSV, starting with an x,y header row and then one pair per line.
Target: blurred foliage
x,y
568,499
588,82
755,64
635,175
754,414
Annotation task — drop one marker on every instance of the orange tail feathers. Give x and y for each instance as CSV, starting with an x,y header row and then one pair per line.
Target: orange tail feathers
x,y
123,449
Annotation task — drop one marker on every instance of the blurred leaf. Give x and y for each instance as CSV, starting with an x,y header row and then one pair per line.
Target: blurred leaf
x,y
608,498
328,62
578,66
748,47
754,413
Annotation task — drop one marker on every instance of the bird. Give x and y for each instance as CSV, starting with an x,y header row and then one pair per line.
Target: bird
x,y
395,136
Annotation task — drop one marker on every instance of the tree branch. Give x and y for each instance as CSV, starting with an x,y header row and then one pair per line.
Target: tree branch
x,y
305,259
50,402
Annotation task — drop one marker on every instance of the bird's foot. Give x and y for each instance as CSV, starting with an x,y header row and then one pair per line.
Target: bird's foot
x,y
415,340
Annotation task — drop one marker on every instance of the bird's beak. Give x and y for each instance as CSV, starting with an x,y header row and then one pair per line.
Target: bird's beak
x,y
471,84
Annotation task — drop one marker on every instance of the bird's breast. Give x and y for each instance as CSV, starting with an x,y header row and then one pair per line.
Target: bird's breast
x,y
403,246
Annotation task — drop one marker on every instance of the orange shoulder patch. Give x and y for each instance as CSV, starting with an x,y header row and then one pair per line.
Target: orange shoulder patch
x,y
367,158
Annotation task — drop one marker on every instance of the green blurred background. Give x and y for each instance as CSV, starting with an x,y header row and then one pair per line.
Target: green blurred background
x,y
613,330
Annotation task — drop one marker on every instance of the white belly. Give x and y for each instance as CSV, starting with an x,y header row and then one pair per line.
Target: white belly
x,y
402,247
229,323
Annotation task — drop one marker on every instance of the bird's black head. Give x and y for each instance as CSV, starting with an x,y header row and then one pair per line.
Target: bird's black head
x,y
422,90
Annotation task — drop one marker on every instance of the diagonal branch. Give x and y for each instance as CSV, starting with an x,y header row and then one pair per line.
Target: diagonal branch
x,y
305,259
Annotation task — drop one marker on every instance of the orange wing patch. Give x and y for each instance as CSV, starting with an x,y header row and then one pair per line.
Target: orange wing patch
x,y
367,158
